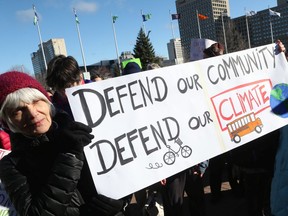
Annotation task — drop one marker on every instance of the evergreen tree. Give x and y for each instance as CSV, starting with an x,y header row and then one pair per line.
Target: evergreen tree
x,y
144,50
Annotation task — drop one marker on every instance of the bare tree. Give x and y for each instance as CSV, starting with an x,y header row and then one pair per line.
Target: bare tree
x,y
234,39
20,68
41,77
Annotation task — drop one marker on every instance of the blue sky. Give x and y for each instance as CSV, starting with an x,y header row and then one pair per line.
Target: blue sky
x,y
19,37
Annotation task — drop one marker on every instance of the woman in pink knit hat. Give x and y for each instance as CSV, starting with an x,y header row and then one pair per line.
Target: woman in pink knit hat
x,y
44,174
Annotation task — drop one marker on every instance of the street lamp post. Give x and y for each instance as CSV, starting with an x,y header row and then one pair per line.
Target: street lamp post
x,y
224,35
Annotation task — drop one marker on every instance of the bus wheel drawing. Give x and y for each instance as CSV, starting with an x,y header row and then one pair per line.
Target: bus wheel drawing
x,y
169,158
186,151
258,129
236,138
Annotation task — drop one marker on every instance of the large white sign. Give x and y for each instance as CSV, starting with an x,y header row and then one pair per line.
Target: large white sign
x,y
151,125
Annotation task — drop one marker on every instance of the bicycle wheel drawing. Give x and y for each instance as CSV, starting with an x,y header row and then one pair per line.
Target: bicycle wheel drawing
x,y
169,158
186,151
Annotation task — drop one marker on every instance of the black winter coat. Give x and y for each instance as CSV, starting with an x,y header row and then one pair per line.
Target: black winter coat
x,y
258,154
42,181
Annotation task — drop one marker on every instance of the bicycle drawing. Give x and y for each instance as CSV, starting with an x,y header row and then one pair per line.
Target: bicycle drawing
x,y
170,156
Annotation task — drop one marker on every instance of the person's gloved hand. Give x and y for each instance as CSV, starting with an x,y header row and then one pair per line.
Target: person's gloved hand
x,y
102,205
73,137
280,46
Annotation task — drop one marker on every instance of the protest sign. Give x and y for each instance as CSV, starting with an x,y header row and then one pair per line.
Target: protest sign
x,y
6,207
197,47
153,124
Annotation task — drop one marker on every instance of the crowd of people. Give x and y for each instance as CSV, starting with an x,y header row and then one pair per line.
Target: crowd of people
x,y
47,173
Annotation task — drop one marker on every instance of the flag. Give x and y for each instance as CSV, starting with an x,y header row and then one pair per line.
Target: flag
x,y
251,13
202,17
114,18
274,13
36,19
175,16
76,17
146,17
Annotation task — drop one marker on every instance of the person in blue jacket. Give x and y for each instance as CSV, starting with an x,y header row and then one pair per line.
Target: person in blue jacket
x,y
279,186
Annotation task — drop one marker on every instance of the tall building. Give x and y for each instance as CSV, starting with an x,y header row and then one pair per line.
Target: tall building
x,y
279,2
52,48
210,28
263,28
175,51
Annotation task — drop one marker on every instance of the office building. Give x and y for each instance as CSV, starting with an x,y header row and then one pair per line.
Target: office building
x,y
280,2
263,28
52,48
175,51
211,28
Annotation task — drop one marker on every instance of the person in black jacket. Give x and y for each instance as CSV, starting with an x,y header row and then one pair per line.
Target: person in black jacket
x,y
43,174
222,162
256,163
63,72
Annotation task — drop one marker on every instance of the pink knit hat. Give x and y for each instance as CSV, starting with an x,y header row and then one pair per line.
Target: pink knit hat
x,y
14,80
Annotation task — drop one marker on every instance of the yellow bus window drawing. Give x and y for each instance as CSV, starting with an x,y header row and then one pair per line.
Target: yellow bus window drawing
x,y
244,125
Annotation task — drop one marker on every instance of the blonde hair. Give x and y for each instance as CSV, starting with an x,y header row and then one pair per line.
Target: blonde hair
x,y
14,99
